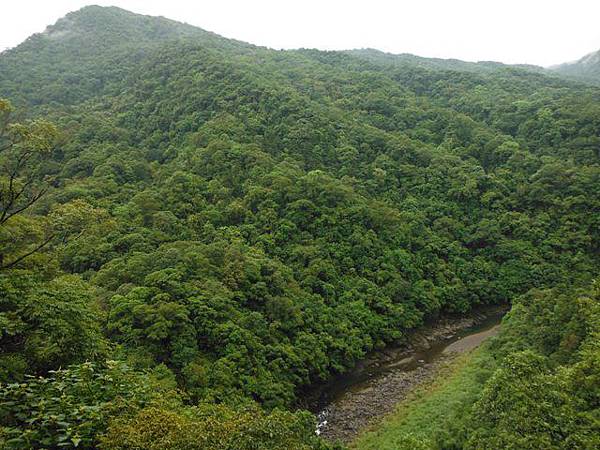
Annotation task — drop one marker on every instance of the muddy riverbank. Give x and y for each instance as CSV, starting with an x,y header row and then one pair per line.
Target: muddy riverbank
x,y
350,402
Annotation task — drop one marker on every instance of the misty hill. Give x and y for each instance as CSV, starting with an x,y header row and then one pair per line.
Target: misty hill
x,y
90,51
586,68
238,223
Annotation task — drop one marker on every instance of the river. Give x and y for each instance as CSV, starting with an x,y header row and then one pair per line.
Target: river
x,y
350,402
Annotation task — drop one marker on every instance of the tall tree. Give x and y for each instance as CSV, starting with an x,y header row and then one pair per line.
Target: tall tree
x,y
24,146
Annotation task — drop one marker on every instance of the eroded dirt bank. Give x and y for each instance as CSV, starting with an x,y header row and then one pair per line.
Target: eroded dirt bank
x,y
350,402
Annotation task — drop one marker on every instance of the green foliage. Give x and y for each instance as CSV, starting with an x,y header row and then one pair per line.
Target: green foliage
x,y
70,407
24,150
209,427
527,406
46,324
257,220
532,402
555,323
109,406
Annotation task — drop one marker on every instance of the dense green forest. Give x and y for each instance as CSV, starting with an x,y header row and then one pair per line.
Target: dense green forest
x,y
194,230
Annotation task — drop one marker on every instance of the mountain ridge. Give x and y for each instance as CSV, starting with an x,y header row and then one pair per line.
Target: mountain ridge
x,y
587,68
151,31
81,37
453,63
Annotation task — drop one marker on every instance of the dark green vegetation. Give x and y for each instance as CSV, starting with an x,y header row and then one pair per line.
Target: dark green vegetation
x,y
237,223
536,386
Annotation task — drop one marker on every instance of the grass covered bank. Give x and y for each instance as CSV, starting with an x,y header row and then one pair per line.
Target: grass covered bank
x,y
429,417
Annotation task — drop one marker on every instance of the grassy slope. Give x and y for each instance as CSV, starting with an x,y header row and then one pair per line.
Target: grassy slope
x,y
434,413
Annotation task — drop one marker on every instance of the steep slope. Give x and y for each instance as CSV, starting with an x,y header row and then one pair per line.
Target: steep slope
x,y
585,69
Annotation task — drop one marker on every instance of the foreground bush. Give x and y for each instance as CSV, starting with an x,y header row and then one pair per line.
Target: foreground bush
x,y
111,406
212,427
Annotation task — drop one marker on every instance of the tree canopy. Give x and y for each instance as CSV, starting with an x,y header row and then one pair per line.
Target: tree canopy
x,y
252,221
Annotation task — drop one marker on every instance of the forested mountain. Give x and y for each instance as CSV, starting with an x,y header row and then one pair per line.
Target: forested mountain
x,y
88,53
207,227
586,68
407,59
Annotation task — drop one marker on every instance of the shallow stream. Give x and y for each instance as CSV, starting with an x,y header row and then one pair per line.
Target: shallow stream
x,y
346,404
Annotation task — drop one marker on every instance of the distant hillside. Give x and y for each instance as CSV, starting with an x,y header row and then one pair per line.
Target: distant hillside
x,y
90,52
586,68
378,56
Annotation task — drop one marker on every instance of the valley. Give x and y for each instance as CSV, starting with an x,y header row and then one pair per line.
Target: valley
x,y
207,244
354,401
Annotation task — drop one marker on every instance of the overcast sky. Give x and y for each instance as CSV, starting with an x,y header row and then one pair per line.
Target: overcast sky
x,y
542,32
